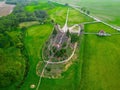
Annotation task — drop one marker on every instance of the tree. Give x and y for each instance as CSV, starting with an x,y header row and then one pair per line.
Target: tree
x,y
74,38
54,31
60,53
68,33
88,12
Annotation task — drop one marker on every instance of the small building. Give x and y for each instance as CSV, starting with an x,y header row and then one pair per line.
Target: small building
x,y
103,33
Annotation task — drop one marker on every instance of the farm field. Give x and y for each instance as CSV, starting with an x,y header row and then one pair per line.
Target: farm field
x,y
5,9
101,62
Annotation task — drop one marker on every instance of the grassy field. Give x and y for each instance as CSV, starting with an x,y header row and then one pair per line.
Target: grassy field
x,y
107,10
58,13
101,63
35,38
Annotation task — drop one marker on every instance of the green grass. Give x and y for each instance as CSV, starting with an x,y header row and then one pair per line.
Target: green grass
x,y
101,60
35,38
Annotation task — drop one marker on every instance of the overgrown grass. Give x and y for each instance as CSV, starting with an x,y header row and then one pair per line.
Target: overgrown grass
x,y
101,60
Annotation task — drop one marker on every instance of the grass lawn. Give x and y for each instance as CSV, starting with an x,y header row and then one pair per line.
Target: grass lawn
x,y
101,60
35,38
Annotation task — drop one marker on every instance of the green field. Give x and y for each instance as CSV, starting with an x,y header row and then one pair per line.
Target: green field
x,y
35,38
58,13
101,60
107,10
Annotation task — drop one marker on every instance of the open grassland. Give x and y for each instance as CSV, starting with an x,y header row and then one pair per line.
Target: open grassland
x,y
106,10
35,38
5,9
101,60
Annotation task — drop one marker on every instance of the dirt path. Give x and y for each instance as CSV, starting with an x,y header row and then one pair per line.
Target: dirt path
x,y
41,77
